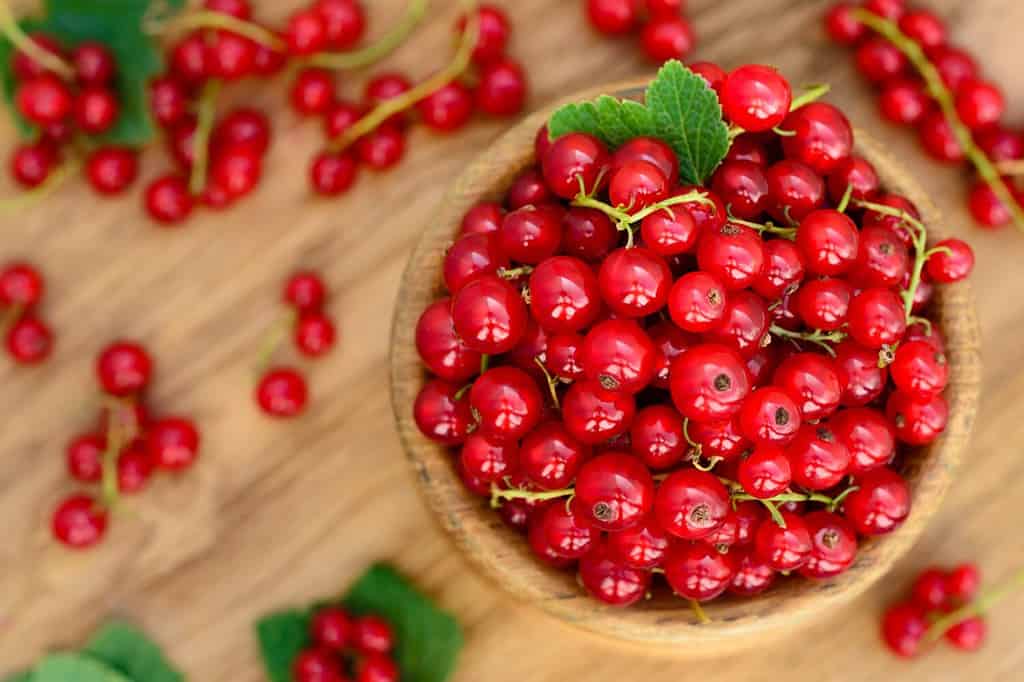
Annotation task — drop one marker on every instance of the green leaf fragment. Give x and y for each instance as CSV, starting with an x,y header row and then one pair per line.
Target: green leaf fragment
x,y
282,637
129,651
69,667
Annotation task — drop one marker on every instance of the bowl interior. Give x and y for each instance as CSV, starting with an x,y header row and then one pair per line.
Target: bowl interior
x,y
663,620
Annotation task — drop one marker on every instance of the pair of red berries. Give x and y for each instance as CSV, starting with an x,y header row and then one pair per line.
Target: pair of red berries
x,y
281,391
29,341
498,89
345,648
905,100
48,103
144,445
664,32
907,625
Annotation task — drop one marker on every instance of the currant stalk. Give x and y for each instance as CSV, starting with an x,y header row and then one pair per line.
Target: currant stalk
x,y
551,381
812,94
201,140
414,13
200,19
21,41
944,98
119,434
625,220
817,337
499,494
396,105
770,227
275,337
977,607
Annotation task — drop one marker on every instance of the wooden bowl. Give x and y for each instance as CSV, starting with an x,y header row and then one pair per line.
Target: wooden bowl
x,y
664,623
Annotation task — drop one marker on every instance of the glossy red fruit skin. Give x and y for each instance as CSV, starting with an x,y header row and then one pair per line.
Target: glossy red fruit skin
x,y
753,576
954,266
314,335
232,56
968,634
168,200
634,282
783,269
670,232
744,325
614,491
490,315
842,26
709,382
588,234
823,139
506,404
881,503
112,169
237,171
642,547
712,73
917,423
929,589
903,629
611,582
172,443
708,217
979,104
567,532
698,571
502,88
938,139
305,291
537,539
828,241
594,414
333,174
812,381
819,459
189,59
123,368
613,17
691,504
306,33
440,347
493,28
373,635
441,416
550,457
882,259
317,665
528,189
650,150
341,116
765,473
84,456
877,317
482,218
963,582
383,148
891,223
344,22
669,342
903,101
637,184
756,98
833,546
796,190
282,393
44,100
134,469
572,159
31,164
868,437
21,284
470,257
244,127
769,416
719,438
619,355
986,208
658,437
531,234
854,171
743,187
29,341
562,357
331,628
734,255
878,60
697,302
955,66
448,108
79,522
665,38
784,549
312,93
919,370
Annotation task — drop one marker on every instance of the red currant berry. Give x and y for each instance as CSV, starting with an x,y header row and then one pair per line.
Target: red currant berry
x,y
919,370
134,469
669,343
619,355
344,22
891,10
567,532
31,164
842,26
880,504
550,457
564,295
531,234
903,629
528,189
954,65
189,59
634,282
168,200
613,17
698,571
824,303
857,172
172,443
952,261
340,117
882,259
712,73
29,341
85,457
614,491
440,415
489,315
470,257
24,67
979,104
903,101
892,223
868,438
314,334
501,90
331,628
823,136
719,438
123,368
812,381
879,61
756,98
734,255
709,382
670,232
377,668
691,504
384,87
333,174
21,284
231,56
44,100
237,171
938,138
594,414
635,185
487,461
963,583
248,128
575,162
658,437
317,665
312,93
305,291
112,169
743,188
94,65
611,582
483,218
828,241
986,207
929,589
917,423
79,522
667,37
796,190
493,28
709,217
783,269
749,147
282,393
877,318
968,634
562,358
373,635
744,325
306,33
769,416
819,459
765,473
440,348
753,576
833,546
506,404
784,548
641,547
448,108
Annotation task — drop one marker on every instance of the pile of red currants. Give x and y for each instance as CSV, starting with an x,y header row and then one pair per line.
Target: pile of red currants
x,y
344,647
29,340
665,33
926,82
718,384
124,449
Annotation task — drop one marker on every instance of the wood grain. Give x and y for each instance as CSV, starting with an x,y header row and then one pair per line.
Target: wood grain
x,y
278,514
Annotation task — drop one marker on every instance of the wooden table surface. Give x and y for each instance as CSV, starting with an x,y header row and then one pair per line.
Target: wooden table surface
x,y
278,514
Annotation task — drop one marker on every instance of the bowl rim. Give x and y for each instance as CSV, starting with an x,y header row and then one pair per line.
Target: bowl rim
x,y
502,554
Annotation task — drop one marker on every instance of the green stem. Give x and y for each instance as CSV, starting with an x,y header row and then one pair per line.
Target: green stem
x,y
623,218
396,105
371,54
199,19
919,237
118,435
201,139
811,94
273,340
698,610
552,383
772,228
978,607
845,202
515,273
35,195
499,494
944,98
23,43
817,337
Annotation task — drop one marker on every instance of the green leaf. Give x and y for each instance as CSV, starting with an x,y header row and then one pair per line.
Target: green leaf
x,y
679,108
428,639
118,25
688,116
75,668
129,651
282,637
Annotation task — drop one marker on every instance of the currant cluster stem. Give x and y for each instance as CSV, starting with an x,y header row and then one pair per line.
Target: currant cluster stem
x,y
274,339
944,98
499,494
919,237
624,220
388,108
371,54
201,140
199,19
786,232
817,337
977,607
12,31
812,94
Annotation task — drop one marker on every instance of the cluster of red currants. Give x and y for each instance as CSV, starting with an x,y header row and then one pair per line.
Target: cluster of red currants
x,y
281,391
29,340
87,104
124,450
965,108
721,402
346,648
497,87
664,32
907,625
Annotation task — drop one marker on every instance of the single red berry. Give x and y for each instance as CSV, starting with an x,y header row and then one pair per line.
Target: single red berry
x,y
111,170
173,443
470,257
243,127
783,269
986,207
568,533
667,37
709,382
698,571
610,581
29,341
1000,144
828,241
344,22
720,438
743,188
85,457
734,255
575,163
441,349
333,174
891,10
306,291
550,457
855,171
306,33
796,190
482,218
929,589
952,261
889,222
917,422
490,315
25,68
493,29
691,504
331,628
842,26
756,98
564,295
531,234
21,284
268,61
670,232
969,634
94,64
784,548
181,142
903,629
79,522
168,200
443,415
593,414
340,117
878,60
189,59
619,355
919,370
236,170
903,101
123,368
32,163
501,90
44,100
613,17
938,139
373,635
822,136
812,381
562,357
824,303
769,416
312,93
979,104
448,108
588,234
636,185
819,459
868,437
744,325
924,28
506,404
377,668
877,317
713,74
651,150
634,282
239,9
641,547
880,504
749,147
658,437
963,583
231,56
833,545
528,189
134,469
765,473
317,665
282,393
955,66
882,259
382,148
753,576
